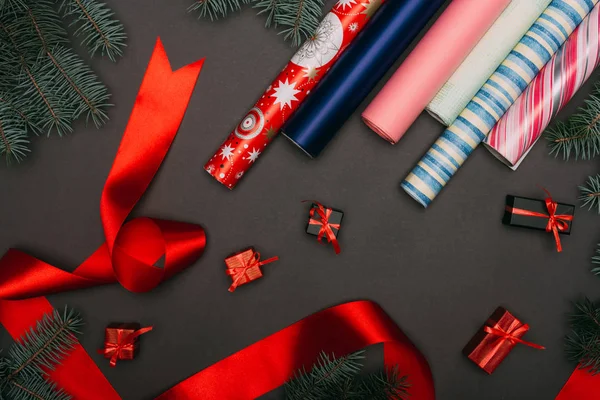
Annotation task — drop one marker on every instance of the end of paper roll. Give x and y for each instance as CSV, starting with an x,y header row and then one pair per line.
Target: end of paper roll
x,y
297,144
209,170
415,193
439,117
377,129
500,157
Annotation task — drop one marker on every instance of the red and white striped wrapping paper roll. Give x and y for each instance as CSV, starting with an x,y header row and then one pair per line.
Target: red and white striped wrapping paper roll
x,y
556,84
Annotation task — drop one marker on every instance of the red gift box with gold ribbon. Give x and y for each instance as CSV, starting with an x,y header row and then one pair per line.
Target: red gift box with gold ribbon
x,y
495,340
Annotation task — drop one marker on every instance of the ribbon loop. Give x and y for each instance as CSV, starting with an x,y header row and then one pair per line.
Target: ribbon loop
x,y
131,250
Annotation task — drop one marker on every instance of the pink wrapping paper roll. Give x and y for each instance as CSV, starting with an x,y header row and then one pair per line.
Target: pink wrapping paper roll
x,y
430,65
555,85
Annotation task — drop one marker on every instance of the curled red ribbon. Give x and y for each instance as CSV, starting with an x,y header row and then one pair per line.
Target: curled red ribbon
x,y
246,269
131,249
123,344
556,222
274,360
326,227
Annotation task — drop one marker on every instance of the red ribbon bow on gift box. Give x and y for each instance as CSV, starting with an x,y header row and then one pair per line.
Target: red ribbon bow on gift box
x,y
326,227
511,334
555,224
244,267
123,345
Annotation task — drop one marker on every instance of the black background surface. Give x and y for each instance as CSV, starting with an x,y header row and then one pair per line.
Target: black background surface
x,y
439,273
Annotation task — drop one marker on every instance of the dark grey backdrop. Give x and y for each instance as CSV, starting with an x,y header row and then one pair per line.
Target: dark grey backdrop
x,y
439,273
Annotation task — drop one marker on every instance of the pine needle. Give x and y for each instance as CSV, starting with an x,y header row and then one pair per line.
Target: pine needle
x,y
583,343
301,17
215,9
23,373
590,193
579,137
340,379
14,144
327,372
95,21
269,7
596,261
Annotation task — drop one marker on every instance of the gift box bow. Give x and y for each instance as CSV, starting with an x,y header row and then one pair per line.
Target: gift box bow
x,y
245,267
511,334
120,343
326,230
556,222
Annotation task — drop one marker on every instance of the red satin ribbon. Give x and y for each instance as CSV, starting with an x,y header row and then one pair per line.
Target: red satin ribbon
x,y
555,224
582,385
326,227
115,350
240,274
131,249
270,362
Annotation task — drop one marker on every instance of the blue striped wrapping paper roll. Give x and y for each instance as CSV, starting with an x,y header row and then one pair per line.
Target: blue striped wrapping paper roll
x,y
495,97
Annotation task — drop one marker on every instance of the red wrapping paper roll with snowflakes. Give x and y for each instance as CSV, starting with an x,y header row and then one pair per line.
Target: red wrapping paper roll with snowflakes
x,y
306,68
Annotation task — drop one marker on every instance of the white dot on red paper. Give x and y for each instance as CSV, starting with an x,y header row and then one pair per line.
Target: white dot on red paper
x,y
245,146
221,175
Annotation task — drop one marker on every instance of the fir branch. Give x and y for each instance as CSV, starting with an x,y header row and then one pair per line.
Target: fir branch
x,y
269,7
580,135
215,9
97,23
83,89
583,343
23,373
384,386
35,84
590,193
339,379
46,345
17,106
36,388
13,134
301,17
325,374
596,261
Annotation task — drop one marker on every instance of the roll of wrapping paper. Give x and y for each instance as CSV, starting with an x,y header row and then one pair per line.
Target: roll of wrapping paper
x,y
511,78
356,73
481,63
440,52
556,84
307,67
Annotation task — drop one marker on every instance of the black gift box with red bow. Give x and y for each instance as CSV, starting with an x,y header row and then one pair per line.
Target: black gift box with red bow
x,y
335,218
535,206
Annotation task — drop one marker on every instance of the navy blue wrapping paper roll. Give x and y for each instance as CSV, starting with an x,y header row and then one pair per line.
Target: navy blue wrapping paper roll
x,y
395,25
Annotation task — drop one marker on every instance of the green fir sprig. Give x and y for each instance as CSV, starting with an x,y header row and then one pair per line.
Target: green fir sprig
x,y
44,85
96,22
596,261
579,137
590,193
298,19
339,378
24,372
583,342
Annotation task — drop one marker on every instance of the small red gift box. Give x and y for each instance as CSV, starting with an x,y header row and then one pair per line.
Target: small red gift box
x,y
121,341
244,267
492,343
